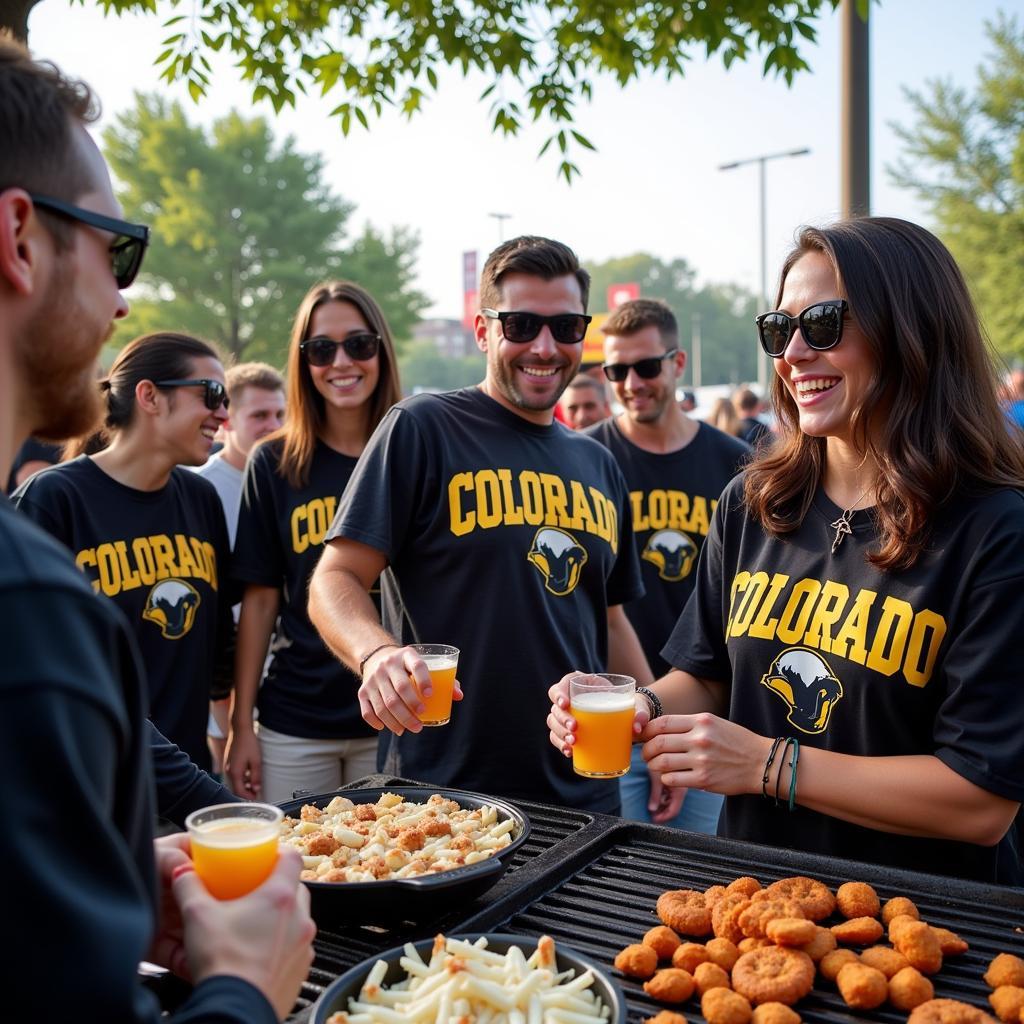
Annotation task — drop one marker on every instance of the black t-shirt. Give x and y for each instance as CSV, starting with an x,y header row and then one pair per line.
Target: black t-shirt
x,y
281,531
163,557
32,450
754,431
509,540
830,650
673,497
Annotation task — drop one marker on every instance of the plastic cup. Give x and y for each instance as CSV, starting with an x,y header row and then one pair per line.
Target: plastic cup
x,y
234,846
442,661
604,706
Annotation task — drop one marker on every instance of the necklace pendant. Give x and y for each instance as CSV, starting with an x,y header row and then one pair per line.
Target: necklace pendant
x,y
842,528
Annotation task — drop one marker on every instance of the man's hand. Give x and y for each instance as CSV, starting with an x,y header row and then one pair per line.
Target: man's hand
x,y
664,803
168,949
387,697
243,763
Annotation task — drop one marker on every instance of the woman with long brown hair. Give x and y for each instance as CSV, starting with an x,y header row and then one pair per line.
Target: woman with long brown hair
x,y
342,378
847,671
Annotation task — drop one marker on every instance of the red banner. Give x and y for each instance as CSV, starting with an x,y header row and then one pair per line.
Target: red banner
x,y
620,293
470,294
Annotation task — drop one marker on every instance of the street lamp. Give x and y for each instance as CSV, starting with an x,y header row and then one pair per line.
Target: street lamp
x,y
762,358
500,218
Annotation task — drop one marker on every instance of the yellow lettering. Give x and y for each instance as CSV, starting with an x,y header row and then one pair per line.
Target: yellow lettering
x,y
84,558
143,555
852,639
793,620
129,579
211,562
826,614
640,522
458,522
163,553
754,591
699,516
763,628
533,503
678,504
555,501
886,654
932,625
657,509
604,523
739,585
582,517
109,569
488,499
513,511
300,541
187,565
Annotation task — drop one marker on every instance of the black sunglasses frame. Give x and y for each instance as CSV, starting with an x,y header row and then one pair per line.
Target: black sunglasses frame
x,y
352,346
215,394
553,323
792,322
132,239
648,368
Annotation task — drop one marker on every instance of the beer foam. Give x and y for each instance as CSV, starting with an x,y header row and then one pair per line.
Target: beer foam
x,y
232,833
602,702
436,662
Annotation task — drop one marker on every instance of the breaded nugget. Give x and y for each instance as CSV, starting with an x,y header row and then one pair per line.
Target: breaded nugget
x,y
723,1006
1008,1002
672,985
725,916
862,987
909,988
708,976
690,955
948,1011
857,899
949,942
749,944
790,931
897,923
1005,969
685,911
754,919
722,952
746,885
662,940
773,974
822,943
814,897
897,906
713,894
774,1013
858,931
832,963
888,961
637,961
919,944
666,1017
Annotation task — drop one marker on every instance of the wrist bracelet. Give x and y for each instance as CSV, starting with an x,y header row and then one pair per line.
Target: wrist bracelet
x,y
654,700
792,774
768,765
362,664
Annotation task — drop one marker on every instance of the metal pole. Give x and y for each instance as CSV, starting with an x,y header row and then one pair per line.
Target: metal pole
x,y
855,166
762,358
500,218
695,348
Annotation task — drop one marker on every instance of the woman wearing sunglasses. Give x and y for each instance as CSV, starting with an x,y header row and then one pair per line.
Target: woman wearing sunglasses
x,y
847,670
342,378
148,534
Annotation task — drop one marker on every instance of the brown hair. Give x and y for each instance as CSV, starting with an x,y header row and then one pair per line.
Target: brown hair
x,y
530,254
38,148
939,428
636,314
723,417
306,410
745,400
251,375
584,380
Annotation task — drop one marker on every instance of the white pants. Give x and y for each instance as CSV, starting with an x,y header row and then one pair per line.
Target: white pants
x,y
320,766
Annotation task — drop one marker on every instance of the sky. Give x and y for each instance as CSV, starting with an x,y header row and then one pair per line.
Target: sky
x,y
653,184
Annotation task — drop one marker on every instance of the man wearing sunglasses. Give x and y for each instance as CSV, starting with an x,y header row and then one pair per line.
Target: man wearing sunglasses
x,y
498,531
75,746
675,468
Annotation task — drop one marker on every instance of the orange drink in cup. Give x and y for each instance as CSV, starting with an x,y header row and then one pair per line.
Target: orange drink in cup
x,y
441,661
234,846
603,706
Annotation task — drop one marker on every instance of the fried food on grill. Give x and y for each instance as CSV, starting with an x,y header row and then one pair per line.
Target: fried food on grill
x,y
858,931
948,1011
663,941
749,944
773,974
685,911
822,943
713,894
815,898
909,988
722,952
746,885
637,961
1005,969
862,987
690,955
949,942
832,963
897,906
1008,1002
666,1017
790,931
725,916
919,944
671,985
753,920
723,1006
774,1013
888,961
709,976
857,899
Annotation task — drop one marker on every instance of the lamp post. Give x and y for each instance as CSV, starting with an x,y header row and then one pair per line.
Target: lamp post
x,y
500,218
762,359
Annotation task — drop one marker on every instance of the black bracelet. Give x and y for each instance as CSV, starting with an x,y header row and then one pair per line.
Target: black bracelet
x,y
362,664
768,766
655,702
792,774
782,763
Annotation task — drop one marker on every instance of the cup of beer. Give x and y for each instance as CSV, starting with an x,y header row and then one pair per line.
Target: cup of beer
x,y
441,660
603,706
234,846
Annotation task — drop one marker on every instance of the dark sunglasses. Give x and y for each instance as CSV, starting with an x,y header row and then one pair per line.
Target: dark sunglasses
x,y
130,240
519,327
646,368
214,394
321,351
821,327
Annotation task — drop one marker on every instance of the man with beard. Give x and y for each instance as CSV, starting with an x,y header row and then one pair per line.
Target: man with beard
x,y
584,402
86,884
675,468
497,531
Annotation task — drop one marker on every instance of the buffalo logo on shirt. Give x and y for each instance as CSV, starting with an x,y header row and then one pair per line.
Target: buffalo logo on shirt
x,y
559,558
807,685
172,605
672,553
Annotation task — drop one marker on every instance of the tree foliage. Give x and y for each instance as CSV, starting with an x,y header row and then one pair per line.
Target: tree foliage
x,y
423,366
242,227
964,157
540,60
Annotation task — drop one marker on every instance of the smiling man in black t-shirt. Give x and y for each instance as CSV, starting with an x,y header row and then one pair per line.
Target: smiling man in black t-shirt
x,y
498,531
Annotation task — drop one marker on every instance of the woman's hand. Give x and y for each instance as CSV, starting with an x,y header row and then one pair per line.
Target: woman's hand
x,y
561,724
243,763
387,697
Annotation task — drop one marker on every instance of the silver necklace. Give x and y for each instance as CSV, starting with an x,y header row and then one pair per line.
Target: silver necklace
x,y
842,524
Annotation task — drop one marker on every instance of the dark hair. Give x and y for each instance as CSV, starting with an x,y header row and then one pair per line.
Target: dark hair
x,y
530,254
584,380
306,409
160,356
38,148
636,314
938,429
745,400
